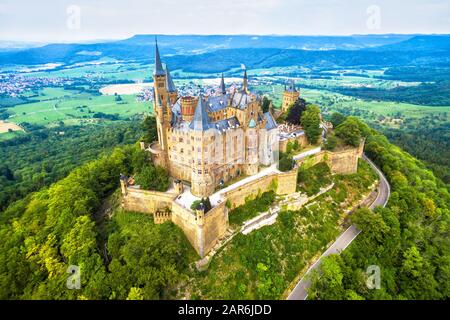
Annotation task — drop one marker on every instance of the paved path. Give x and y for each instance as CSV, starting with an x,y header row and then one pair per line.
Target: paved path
x,y
344,240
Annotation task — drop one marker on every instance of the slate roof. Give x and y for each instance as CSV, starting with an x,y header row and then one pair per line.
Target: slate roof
x,y
225,124
216,103
291,87
159,71
271,123
169,82
201,119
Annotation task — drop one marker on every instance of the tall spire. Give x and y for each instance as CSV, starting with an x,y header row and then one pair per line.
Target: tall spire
x,y
245,83
222,85
201,118
169,82
159,71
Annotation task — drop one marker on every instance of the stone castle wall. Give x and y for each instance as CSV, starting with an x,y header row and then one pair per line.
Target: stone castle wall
x,y
302,142
341,162
281,183
146,201
203,232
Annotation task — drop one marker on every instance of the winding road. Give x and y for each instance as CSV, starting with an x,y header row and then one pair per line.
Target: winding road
x,y
300,291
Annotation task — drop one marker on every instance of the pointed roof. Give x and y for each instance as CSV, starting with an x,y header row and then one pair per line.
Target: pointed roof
x,y
169,82
159,71
201,118
252,123
222,86
291,87
245,83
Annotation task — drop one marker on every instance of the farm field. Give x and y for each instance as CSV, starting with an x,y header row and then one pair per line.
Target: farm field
x,y
73,107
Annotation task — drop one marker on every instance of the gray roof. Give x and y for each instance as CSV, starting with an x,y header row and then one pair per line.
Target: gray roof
x,y
159,71
271,123
201,120
216,103
291,87
169,82
225,124
240,100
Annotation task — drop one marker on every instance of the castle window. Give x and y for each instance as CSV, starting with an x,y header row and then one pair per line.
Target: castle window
x,y
206,171
182,150
199,171
180,139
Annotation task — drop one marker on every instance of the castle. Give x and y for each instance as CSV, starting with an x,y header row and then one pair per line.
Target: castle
x,y
205,142
209,140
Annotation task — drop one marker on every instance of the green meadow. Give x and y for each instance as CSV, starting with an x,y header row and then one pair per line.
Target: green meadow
x,y
73,107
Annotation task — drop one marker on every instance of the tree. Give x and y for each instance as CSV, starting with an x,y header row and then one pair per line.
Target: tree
x,y
349,132
295,112
310,120
266,104
135,294
328,284
149,127
152,178
286,163
337,118
331,142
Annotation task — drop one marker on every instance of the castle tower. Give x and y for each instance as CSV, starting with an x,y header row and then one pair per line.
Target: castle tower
x,y
161,105
251,148
188,104
202,134
290,95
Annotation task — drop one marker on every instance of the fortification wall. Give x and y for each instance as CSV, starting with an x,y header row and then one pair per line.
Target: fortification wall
x,y
146,201
186,220
281,183
287,182
214,227
302,142
341,162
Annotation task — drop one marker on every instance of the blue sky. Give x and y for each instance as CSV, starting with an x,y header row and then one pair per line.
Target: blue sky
x,y
74,20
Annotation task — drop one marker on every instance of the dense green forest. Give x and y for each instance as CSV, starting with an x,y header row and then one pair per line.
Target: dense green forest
x,y
124,255
46,232
407,240
46,155
432,94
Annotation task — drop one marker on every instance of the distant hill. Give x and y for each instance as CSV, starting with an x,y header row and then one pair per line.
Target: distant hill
x,y
140,47
422,43
217,53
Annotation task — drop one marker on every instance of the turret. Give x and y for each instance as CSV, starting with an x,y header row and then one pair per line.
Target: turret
x,y
188,104
202,133
290,95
